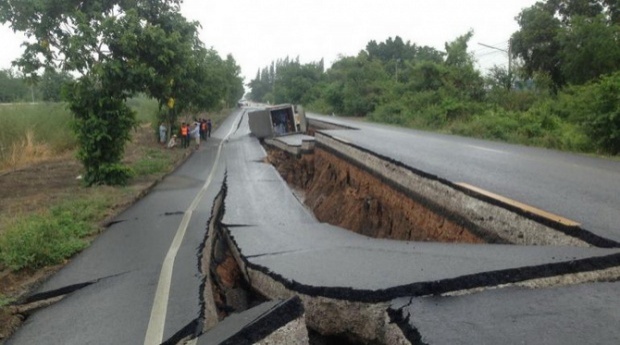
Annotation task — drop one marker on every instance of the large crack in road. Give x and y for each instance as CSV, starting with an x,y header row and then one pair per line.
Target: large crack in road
x,y
350,195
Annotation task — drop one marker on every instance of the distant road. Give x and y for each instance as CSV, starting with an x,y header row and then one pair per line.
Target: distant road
x,y
578,187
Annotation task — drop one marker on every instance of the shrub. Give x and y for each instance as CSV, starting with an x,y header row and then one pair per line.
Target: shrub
x,y
596,106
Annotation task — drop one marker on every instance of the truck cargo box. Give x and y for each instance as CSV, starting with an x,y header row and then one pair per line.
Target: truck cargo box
x,y
276,121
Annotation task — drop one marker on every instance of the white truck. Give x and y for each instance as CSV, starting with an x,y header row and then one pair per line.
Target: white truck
x,y
277,120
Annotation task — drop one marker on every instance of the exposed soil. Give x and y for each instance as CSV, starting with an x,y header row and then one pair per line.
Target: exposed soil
x,y
231,292
36,187
344,195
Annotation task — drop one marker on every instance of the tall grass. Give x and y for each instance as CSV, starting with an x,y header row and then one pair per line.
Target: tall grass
x,y
30,132
144,107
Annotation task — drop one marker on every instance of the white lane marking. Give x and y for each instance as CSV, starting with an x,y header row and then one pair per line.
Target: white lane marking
x,y
485,149
155,331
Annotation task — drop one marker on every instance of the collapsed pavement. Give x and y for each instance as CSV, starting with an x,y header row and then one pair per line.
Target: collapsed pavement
x,y
379,290
270,272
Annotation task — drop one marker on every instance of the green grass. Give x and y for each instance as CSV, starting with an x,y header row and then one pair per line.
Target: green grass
x,y
4,300
155,161
48,238
31,241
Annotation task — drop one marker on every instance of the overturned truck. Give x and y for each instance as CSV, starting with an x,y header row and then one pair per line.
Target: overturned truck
x,y
278,120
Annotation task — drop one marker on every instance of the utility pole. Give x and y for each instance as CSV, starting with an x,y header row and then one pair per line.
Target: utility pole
x,y
502,50
396,72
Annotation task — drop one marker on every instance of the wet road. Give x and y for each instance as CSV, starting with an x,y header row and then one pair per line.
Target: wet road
x,y
141,274
578,187
117,293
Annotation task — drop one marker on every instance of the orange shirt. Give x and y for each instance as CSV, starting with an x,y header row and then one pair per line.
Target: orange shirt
x,y
184,130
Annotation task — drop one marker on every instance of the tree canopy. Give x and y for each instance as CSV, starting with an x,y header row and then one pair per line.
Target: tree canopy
x,y
560,93
570,41
118,48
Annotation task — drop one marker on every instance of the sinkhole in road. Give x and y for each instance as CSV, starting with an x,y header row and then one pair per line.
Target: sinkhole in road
x,y
378,197
344,195
231,292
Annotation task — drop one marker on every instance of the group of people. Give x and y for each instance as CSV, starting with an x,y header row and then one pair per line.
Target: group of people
x,y
199,130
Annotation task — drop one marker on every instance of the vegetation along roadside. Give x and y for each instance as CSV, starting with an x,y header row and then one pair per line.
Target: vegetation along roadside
x,y
47,215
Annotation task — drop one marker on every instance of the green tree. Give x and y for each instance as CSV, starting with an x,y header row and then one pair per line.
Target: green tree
x,y
12,87
590,48
536,43
118,48
356,85
569,41
596,106
294,82
52,83
262,85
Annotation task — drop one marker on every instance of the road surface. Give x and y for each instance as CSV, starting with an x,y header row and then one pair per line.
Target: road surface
x,y
578,187
139,283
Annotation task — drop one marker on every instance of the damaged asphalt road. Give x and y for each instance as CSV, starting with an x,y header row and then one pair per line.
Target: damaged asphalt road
x,y
285,251
582,188
124,265
368,290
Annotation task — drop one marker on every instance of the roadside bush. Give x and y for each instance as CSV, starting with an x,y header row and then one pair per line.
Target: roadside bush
x,y
320,106
103,124
513,100
596,106
496,125
392,113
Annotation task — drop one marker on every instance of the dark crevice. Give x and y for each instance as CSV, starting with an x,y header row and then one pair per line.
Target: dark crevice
x,y
271,254
262,327
175,213
237,225
245,112
316,338
110,223
192,329
231,291
492,278
402,321
41,296
216,213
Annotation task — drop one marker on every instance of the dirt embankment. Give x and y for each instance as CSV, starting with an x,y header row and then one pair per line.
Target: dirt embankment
x,y
344,195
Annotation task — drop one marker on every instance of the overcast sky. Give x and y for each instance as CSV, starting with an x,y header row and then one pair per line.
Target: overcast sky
x,y
257,32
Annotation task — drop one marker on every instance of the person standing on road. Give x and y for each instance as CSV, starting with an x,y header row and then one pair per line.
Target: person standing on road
x,y
184,135
208,128
195,133
162,134
188,136
203,129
